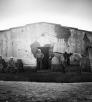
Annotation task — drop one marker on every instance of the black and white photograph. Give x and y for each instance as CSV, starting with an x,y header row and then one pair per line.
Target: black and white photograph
x,y
45,50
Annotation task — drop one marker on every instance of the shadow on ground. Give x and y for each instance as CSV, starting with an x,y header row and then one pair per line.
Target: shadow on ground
x,y
47,76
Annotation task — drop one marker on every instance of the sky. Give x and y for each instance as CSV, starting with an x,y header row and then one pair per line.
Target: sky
x,y
71,13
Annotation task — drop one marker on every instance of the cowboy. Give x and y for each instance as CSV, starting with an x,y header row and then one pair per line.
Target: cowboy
x,y
62,63
39,56
67,58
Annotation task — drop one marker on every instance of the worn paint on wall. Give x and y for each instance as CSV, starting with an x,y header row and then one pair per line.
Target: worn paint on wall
x,y
17,42
75,42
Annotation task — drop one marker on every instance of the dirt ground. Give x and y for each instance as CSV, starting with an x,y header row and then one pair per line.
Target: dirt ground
x,y
45,92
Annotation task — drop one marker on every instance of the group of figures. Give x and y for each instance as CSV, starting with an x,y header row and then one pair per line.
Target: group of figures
x,y
57,62
66,61
54,60
61,61
11,65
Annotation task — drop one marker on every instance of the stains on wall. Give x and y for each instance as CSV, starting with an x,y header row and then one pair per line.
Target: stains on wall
x,y
20,42
60,46
34,47
62,32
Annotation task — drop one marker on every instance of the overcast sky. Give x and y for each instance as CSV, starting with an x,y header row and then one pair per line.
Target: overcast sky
x,y
72,13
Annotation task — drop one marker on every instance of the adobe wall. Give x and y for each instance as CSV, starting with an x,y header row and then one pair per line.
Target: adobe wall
x,y
16,42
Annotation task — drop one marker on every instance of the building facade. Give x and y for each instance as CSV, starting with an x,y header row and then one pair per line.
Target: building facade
x,y
21,42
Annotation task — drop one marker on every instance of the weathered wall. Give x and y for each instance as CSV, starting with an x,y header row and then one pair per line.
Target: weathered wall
x,y
16,42
76,41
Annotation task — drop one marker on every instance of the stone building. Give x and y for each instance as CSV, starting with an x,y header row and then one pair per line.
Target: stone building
x,y
21,42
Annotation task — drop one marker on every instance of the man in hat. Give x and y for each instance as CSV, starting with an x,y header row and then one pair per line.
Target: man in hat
x,y
39,56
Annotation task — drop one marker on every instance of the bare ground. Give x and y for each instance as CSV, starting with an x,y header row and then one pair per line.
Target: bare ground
x,y
45,92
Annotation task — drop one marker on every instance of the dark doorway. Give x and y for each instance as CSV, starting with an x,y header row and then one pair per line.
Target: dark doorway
x,y
45,61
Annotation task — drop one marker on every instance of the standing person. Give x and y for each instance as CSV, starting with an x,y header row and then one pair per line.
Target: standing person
x,y
1,63
11,65
68,58
65,58
62,63
19,65
51,55
39,57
